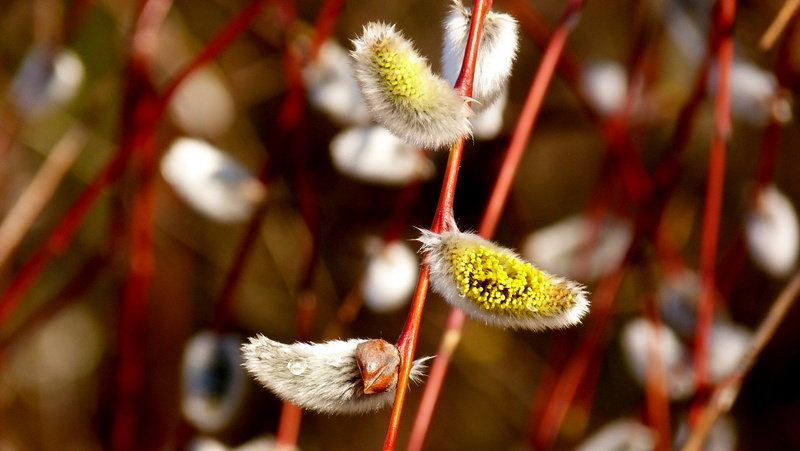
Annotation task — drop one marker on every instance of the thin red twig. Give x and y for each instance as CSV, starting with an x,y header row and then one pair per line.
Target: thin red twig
x,y
407,342
133,312
137,135
713,206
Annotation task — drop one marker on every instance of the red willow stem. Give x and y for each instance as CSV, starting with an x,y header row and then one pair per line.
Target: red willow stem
x,y
133,311
713,206
407,341
494,208
138,134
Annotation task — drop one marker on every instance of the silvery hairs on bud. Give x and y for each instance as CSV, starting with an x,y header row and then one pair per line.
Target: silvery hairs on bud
x,y
335,377
402,92
496,52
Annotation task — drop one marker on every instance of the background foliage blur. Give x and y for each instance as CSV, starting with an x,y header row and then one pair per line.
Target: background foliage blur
x,y
58,349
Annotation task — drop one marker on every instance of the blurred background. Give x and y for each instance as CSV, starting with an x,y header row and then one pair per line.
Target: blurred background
x,y
262,201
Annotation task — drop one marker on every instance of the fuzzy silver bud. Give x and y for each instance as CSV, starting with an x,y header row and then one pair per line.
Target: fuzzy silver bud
x,y
335,377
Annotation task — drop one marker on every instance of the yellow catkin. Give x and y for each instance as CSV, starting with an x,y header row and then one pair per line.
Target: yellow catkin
x,y
501,283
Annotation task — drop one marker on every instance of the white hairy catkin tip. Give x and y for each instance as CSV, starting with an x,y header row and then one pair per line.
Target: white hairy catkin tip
x,y
496,52
493,284
402,92
335,377
772,231
210,181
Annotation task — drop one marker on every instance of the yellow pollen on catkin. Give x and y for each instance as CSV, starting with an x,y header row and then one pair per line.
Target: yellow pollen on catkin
x,y
501,283
401,76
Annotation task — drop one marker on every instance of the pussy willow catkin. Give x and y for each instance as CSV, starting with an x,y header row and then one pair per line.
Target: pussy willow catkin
x,y
496,52
493,284
337,377
402,92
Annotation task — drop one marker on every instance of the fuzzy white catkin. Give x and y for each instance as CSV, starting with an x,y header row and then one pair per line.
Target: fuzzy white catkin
x,y
210,181
772,231
391,276
47,79
515,313
332,87
372,154
637,336
402,92
623,434
214,382
496,52
323,377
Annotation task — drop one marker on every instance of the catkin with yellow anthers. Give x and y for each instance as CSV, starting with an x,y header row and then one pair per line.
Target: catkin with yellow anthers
x,y
402,92
493,284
